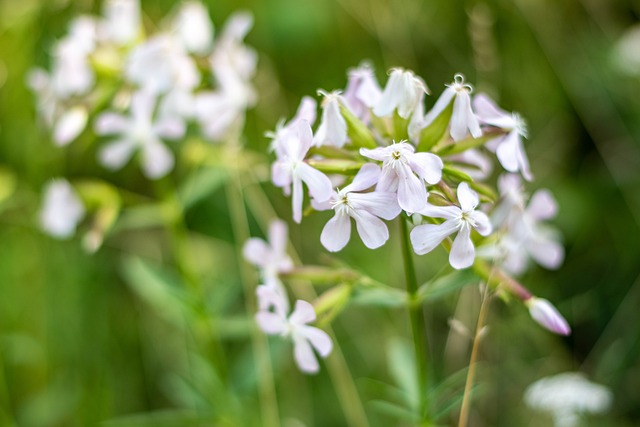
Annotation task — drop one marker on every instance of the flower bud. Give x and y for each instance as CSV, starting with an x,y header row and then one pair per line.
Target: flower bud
x,y
543,312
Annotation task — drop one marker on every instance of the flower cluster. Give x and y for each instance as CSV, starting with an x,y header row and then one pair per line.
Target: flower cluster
x,y
151,85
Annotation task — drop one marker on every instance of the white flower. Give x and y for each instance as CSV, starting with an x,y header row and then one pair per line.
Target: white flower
x,y
463,120
290,170
305,338
230,52
474,163
526,236
461,219
362,92
509,148
139,131
404,91
193,27
306,111
333,127
71,72
405,171
121,21
62,209
70,124
547,316
160,64
567,396
364,208
270,257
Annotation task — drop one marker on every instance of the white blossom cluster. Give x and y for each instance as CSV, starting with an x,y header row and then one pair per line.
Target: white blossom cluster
x,y
142,89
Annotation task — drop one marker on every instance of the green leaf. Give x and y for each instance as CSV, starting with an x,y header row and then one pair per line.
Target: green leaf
x,y
484,190
433,133
452,172
201,184
445,285
379,297
165,418
394,410
336,165
402,366
358,132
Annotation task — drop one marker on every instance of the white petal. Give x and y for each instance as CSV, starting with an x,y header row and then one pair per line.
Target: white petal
x,y
380,154
303,313
256,251
462,251
382,204
467,197
305,139
278,236
523,162
366,177
170,128
194,27
318,338
369,92
303,354
273,296
142,105
542,205
483,224
391,96
271,323
425,238
62,209
296,200
428,166
546,252
412,194
507,151
281,174
115,154
543,312
111,123
319,184
388,182
157,160
488,111
336,233
333,127
372,230
70,125
460,115
440,105
446,212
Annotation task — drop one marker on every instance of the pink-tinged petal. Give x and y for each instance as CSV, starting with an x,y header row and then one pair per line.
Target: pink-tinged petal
x,y
542,205
318,338
482,223
303,313
380,154
326,205
111,123
369,92
439,107
462,251
428,166
391,96
69,126
336,233
384,205
296,200
304,356
319,184
507,151
271,323
425,238
170,128
256,251
281,174
367,177
333,127
545,251
157,160
446,212
306,111
545,314
372,230
486,109
115,154
473,123
523,162
412,194
305,139
467,197
278,236
388,182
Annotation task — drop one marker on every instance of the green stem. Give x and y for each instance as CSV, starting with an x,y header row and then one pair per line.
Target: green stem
x,y
416,318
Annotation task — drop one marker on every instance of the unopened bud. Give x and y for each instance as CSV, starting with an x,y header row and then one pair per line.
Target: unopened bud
x,y
543,312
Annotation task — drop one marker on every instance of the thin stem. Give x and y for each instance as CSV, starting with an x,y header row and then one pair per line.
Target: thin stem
x,y
466,398
416,318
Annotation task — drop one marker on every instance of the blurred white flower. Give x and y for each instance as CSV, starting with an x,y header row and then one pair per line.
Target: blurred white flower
x,y
404,91
62,209
462,219
290,169
230,52
626,53
139,131
463,120
567,397
362,92
509,148
305,338
333,127
270,257
121,23
405,171
547,316
194,28
365,208
70,124
160,64
71,72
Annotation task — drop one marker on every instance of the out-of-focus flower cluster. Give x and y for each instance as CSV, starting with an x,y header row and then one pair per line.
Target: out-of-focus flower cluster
x,y
378,154
139,89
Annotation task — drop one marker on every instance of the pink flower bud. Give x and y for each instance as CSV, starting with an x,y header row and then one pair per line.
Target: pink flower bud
x,y
543,312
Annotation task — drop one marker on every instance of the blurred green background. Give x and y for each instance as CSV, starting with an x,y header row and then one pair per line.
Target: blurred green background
x,y
82,344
